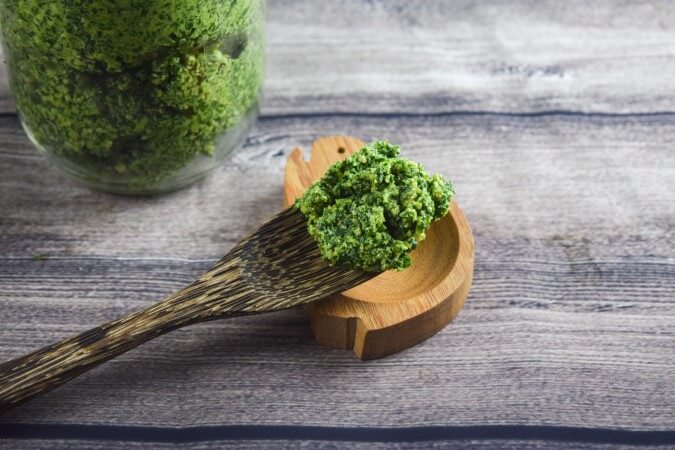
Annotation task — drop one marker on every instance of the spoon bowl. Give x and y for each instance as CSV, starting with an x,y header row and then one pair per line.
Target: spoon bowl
x,y
433,260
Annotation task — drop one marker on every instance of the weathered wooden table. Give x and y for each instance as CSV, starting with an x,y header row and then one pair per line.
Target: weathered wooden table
x,y
556,121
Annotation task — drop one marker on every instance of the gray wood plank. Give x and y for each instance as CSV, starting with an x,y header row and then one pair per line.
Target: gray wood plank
x,y
578,187
570,321
556,124
383,56
493,366
463,55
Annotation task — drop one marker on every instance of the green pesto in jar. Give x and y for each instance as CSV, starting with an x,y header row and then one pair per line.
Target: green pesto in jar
x,y
372,209
134,88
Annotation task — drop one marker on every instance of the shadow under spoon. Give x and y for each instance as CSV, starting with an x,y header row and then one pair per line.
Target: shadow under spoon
x,y
277,267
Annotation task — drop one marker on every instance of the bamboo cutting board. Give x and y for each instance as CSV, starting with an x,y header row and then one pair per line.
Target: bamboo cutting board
x,y
395,310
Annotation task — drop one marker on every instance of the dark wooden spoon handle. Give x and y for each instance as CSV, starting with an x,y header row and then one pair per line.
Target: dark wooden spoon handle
x,y
29,376
279,266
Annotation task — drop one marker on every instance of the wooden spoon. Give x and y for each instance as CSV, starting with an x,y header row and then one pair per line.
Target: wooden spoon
x,y
277,267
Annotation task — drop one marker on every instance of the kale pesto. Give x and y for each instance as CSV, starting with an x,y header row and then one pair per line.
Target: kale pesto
x,y
372,209
133,88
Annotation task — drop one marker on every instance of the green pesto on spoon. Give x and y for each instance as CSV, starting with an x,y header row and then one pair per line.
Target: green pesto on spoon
x,y
385,201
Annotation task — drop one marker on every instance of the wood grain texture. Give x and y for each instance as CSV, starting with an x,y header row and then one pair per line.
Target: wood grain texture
x,y
277,266
415,56
569,322
395,310
608,175
562,158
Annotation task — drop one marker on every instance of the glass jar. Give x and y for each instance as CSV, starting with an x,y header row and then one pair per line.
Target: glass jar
x,y
135,96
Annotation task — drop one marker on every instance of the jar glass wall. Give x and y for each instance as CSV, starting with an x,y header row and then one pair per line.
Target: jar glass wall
x,y
135,96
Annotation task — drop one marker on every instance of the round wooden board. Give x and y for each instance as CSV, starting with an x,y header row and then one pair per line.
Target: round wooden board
x,y
395,310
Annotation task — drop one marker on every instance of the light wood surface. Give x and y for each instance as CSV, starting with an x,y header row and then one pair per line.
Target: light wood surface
x,y
395,310
567,182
